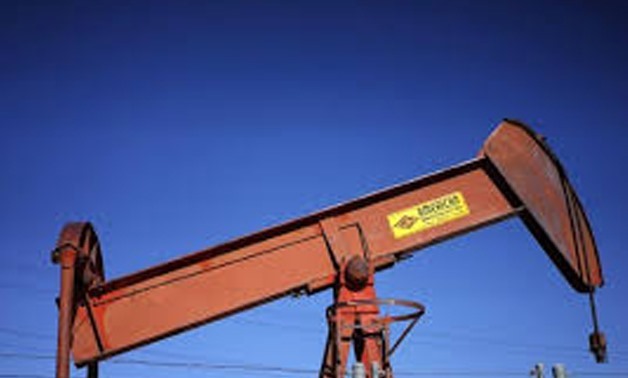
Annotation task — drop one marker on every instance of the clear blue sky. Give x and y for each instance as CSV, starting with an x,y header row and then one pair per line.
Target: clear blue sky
x,y
177,125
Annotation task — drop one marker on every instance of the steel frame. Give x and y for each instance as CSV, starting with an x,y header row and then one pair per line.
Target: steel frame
x,y
515,173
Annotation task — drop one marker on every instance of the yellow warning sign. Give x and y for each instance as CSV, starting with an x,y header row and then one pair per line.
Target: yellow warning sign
x,y
428,214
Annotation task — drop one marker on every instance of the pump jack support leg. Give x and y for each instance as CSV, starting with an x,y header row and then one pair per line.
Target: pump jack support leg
x,y
337,347
372,343
66,257
354,320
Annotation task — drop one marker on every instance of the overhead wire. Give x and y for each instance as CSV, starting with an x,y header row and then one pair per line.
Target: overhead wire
x,y
458,338
28,334
32,289
514,347
260,368
183,364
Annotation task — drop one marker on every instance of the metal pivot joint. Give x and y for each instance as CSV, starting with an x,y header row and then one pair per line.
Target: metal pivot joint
x,y
355,320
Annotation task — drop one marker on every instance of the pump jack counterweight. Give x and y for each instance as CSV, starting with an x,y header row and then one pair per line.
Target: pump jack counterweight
x,y
340,248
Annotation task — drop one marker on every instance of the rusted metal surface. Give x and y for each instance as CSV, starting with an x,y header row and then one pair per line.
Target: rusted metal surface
x,y
342,323
355,320
296,256
67,261
78,255
357,273
514,175
553,212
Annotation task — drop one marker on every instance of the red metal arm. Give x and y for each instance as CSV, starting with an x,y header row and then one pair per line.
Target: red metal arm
x,y
514,174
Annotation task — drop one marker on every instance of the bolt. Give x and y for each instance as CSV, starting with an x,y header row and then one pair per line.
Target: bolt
x,y
55,256
357,273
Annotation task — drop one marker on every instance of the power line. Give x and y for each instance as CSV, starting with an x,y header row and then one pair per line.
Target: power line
x,y
259,368
451,337
27,356
501,342
27,289
185,365
515,347
29,334
253,367
22,346
207,366
433,334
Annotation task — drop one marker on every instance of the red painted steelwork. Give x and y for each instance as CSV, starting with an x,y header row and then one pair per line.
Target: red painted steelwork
x,y
553,212
354,320
358,325
67,261
78,254
306,254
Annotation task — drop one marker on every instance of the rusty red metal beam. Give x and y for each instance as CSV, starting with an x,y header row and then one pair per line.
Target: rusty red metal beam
x,y
553,212
514,174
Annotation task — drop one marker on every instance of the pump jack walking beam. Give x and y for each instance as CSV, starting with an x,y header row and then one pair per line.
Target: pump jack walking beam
x,y
515,173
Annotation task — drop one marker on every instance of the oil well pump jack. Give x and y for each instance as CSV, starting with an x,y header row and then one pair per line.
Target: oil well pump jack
x,y
339,248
